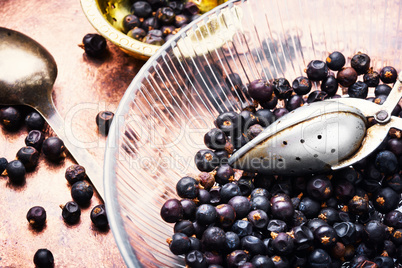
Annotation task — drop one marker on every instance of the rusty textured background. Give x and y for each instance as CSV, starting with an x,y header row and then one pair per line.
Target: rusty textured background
x,y
84,86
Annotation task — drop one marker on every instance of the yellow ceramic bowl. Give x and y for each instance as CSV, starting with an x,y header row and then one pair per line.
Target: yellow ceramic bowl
x,y
106,17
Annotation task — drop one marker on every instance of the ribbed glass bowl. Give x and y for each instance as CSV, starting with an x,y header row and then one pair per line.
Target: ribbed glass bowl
x,y
174,99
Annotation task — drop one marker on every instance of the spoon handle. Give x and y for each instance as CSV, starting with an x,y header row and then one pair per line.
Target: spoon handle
x,y
78,151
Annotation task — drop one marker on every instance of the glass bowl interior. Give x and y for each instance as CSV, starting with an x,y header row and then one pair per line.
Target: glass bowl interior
x,y
174,99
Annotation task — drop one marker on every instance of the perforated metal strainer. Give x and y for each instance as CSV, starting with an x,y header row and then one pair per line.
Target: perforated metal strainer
x,y
174,99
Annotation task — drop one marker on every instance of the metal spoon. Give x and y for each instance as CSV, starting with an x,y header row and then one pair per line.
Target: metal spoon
x,y
27,75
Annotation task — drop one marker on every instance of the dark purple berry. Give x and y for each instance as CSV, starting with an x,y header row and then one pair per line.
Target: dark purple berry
x,y
165,15
319,258
75,173
260,202
16,171
360,62
386,162
43,258
386,200
301,85
53,148
82,192
319,187
253,245
335,61
358,90
150,23
98,217
196,259
303,237
206,160
372,78
242,228
3,164
241,205
374,232
137,33
29,156
316,223
393,219
206,179
395,146
309,207
282,88
10,117
294,102
189,207
344,190
261,90
187,187
264,117
282,207
229,122
358,205
141,9
71,212
279,112
172,210
325,236
280,261
258,218
330,85
317,70
35,139
346,232
185,226
154,37
177,6
228,191
214,238
388,75
155,4
34,121
130,22
36,216
94,45
179,244
382,89
236,258
215,139
262,261
206,214
226,215
232,241
384,262
329,215
283,244
270,104
181,20
254,131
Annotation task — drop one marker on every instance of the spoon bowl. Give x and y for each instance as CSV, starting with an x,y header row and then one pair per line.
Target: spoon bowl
x,y
28,71
27,74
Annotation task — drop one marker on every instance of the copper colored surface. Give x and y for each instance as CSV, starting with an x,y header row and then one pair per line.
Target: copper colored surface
x,y
83,87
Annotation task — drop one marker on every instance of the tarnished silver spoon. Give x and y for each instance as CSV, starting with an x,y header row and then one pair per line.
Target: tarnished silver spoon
x,y
27,74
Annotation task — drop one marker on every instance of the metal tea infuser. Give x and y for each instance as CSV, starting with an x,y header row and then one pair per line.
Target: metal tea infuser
x,y
321,136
